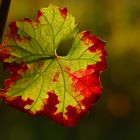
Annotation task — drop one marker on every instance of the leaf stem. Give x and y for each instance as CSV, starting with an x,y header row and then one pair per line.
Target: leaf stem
x,y
4,8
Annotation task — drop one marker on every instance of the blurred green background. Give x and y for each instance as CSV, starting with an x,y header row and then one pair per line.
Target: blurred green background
x,y
116,116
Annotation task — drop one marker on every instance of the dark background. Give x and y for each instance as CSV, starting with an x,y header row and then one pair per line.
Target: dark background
x,y
116,116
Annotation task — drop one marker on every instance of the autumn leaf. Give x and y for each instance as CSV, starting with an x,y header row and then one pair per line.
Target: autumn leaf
x,y
44,83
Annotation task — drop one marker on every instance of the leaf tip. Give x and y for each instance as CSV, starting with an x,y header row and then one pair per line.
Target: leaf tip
x,y
13,28
64,12
39,14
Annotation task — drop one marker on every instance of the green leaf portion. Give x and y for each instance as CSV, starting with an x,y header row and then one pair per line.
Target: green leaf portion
x,y
62,27
34,40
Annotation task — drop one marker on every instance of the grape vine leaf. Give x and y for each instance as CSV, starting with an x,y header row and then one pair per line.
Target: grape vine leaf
x,y
44,83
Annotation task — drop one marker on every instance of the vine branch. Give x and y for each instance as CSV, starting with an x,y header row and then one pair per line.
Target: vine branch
x,y
4,8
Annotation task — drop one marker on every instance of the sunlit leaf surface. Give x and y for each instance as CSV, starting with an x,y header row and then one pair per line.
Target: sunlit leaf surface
x,y
44,83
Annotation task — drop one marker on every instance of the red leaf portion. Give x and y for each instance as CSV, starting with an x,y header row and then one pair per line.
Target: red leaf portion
x,y
13,28
17,102
89,102
49,105
73,116
16,71
64,12
4,54
50,108
39,14
86,84
87,38
97,47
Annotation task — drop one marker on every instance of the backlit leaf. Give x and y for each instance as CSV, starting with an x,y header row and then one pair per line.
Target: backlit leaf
x,y
44,83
